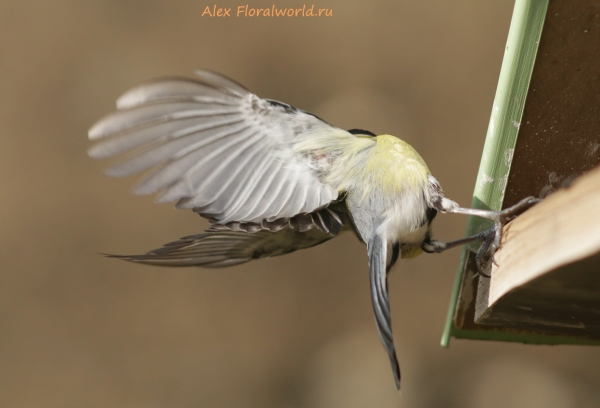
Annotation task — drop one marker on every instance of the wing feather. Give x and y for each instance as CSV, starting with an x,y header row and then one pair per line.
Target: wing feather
x,y
177,89
212,184
218,149
173,150
251,199
253,167
194,166
297,198
220,248
128,140
221,81
284,199
281,185
205,173
153,114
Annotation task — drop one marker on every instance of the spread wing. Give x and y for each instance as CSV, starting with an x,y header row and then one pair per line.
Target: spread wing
x,y
215,147
221,248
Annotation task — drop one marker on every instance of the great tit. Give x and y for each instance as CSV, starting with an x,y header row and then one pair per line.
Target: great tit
x,y
272,179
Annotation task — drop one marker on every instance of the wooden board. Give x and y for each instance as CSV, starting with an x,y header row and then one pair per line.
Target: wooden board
x,y
548,273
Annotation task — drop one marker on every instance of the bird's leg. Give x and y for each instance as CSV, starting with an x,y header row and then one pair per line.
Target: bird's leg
x,y
491,238
500,218
432,246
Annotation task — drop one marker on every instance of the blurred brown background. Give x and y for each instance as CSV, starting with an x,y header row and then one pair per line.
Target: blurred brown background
x,y
80,330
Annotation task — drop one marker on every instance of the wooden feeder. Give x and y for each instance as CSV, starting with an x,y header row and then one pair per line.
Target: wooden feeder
x,y
543,140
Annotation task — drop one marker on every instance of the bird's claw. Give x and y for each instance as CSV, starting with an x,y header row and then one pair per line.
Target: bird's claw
x,y
485,254
493,237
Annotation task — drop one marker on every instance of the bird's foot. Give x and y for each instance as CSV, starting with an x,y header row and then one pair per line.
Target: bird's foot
x,y
493,237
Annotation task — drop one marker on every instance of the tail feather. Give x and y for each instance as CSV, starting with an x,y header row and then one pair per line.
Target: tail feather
x,y
218,249
379,296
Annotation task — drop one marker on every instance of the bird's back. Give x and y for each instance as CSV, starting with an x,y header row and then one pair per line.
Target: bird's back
x,y
390,199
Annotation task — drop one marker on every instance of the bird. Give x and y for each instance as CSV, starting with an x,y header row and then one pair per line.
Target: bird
x,y
273,179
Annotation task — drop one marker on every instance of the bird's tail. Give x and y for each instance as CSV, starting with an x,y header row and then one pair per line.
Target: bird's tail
x,y
379,296
217,249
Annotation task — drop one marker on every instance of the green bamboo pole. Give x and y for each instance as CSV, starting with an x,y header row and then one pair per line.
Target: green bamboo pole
x,y
519,58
